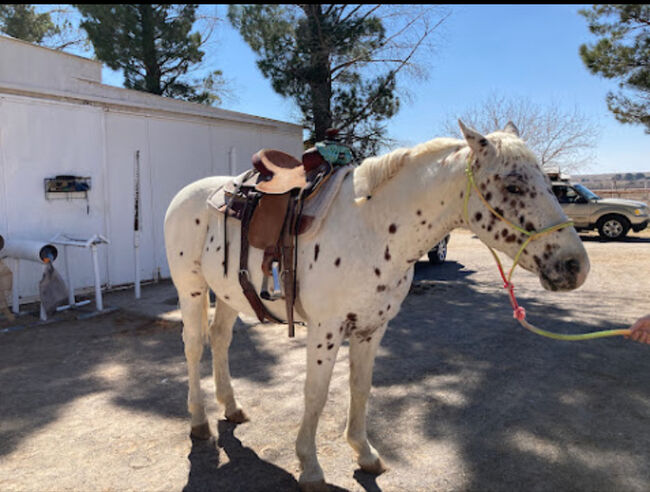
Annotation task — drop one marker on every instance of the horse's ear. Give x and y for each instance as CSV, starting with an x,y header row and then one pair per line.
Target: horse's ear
x,y
511,128
480,145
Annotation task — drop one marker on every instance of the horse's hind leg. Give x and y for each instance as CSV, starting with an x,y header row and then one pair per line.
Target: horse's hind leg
x,y
220,337
362,357
194,309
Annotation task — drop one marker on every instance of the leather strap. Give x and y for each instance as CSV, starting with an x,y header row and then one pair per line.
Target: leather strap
x,y
288,261
244,276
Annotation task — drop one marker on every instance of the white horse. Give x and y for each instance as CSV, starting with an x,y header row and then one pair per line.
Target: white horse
x,y
355,272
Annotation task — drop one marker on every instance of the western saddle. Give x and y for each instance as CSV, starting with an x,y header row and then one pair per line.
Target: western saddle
x,y
269,201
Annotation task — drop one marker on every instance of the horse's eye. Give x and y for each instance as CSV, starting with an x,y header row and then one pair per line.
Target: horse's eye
x,y
514,189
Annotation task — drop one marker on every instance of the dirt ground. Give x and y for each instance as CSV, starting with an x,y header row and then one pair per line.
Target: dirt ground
x,y
463,398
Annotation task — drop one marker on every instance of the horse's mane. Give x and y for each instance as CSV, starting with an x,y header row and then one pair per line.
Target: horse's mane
x,y
374,171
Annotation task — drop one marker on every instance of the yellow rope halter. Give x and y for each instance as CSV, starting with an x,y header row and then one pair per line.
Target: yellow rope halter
x,y
519,313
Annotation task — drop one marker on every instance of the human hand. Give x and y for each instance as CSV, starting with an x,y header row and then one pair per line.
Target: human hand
x,y
640,331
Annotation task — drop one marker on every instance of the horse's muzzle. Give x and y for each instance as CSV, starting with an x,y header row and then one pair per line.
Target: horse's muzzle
x,y
565,273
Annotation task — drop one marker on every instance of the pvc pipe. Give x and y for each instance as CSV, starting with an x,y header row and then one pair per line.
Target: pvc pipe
x,y
68,274
136,250
15,301
136,223
98,287
232,164
27,249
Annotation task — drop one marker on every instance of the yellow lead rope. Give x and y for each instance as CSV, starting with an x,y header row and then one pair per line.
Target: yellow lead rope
x,y
519,313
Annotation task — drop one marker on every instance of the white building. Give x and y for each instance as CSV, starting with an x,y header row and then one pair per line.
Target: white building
x,y
57,118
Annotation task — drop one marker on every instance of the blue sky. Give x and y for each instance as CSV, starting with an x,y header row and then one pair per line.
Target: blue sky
x,y
529,51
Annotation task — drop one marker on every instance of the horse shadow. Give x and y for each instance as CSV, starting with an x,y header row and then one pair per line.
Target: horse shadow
x,y
244,470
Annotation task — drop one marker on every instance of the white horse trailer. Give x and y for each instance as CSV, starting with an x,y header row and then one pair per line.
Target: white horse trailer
x,y
72,149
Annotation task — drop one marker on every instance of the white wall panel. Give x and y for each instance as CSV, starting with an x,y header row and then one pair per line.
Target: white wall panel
x,y
42,140
125,135
180,153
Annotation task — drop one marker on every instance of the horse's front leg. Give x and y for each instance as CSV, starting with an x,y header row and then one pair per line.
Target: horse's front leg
x,y
323,342
362,357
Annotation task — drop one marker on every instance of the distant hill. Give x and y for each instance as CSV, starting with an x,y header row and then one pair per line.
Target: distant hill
x,y
613,181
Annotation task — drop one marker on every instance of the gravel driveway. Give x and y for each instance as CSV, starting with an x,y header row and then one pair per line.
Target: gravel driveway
x,y
463,398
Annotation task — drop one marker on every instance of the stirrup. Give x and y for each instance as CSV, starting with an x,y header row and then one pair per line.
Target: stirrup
x,y
276,293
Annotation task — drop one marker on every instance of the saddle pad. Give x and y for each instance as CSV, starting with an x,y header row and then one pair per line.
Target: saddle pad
x,y
218,197
317,205
315,209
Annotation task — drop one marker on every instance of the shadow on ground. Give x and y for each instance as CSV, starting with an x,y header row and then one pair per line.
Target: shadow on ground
x,y
525,413
240,469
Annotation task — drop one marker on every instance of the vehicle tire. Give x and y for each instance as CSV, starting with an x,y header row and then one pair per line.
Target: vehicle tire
x,y
613,227
438,254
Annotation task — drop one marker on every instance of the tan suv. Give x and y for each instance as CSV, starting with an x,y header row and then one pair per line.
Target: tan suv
x,y
613,217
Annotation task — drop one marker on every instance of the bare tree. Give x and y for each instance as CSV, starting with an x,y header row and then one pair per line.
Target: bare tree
x,y
561,137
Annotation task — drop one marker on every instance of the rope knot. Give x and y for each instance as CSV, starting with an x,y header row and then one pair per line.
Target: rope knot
x,y
519,313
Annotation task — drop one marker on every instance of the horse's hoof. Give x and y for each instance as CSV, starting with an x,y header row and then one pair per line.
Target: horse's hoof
x,y
376,468
237,417
201,431
319,486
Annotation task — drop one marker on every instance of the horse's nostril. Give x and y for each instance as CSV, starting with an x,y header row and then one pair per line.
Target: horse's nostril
x,y
572,266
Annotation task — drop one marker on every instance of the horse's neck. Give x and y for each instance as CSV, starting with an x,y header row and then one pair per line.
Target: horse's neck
x,y
420,205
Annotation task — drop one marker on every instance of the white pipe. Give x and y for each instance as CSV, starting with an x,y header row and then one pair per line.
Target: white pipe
x,y
98,287
68,274
15,301
136,249
27,249
232,164
136,222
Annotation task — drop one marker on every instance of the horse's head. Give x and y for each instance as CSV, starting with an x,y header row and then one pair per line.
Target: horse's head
x,y
520,203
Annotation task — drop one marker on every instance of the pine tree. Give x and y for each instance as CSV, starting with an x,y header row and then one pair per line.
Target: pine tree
x,y
22,22
153,45
623,53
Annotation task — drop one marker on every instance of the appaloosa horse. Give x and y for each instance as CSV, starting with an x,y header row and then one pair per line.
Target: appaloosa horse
x,y
355,272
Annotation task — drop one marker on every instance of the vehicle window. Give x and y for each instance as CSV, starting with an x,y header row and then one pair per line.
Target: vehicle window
x,y
586,192
565,194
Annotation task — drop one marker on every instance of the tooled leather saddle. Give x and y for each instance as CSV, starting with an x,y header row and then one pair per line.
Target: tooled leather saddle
x,y
269,200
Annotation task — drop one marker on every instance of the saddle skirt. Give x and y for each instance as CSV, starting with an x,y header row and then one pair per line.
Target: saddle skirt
x,y
315,208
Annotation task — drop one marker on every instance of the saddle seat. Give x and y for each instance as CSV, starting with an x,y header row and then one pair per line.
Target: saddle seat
x,y
280,172
276,201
